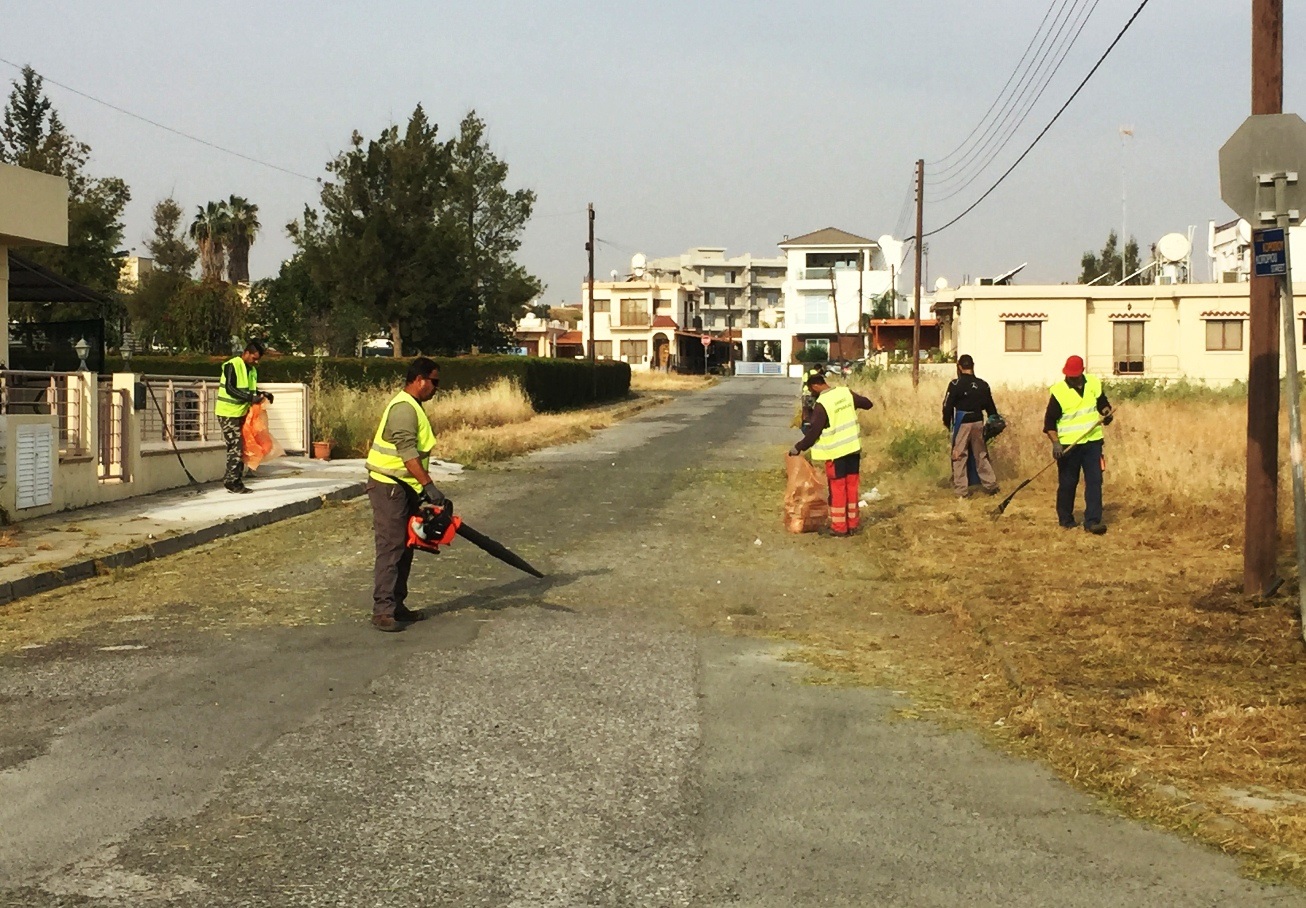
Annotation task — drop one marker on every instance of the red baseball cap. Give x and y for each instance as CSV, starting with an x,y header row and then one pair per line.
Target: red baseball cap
x,y
1074,367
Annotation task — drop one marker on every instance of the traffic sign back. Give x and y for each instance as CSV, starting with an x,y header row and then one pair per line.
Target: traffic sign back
x,y
1264,144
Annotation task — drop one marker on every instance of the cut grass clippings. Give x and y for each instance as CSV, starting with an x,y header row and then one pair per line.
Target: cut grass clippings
x,y
1131,662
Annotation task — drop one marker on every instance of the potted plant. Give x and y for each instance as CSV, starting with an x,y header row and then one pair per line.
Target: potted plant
x,y
322,449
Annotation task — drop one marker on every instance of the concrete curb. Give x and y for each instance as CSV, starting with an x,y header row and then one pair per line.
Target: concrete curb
x,y
161,548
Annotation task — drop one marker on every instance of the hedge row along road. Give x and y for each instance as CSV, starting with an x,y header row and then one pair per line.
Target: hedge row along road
x,y
238,736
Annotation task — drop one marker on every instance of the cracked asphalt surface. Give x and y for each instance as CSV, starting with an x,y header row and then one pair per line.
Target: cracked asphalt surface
x,y
237,736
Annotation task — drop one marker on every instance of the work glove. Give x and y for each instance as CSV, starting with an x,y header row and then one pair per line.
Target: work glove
x,y
1108,416
266,396
432,495
1057,450
793,452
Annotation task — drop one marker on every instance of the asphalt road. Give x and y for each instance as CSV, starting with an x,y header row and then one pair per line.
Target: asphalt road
x,y
578,741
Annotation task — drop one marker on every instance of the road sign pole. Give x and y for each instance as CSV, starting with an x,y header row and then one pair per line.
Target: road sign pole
x,y
1284,217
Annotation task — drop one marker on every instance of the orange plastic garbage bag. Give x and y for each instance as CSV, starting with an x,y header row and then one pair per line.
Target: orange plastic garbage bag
x,y
806,497
259,445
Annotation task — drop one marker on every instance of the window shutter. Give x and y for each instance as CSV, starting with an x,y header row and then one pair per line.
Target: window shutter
x,y
35,466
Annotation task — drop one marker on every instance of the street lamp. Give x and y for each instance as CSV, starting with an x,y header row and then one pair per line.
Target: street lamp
x,y
125,348
82,348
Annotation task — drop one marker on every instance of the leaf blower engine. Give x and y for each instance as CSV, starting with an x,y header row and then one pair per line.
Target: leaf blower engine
x,y
433,528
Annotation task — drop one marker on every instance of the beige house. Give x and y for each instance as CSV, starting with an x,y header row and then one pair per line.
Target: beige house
x,y
1021,335
72,439
640,322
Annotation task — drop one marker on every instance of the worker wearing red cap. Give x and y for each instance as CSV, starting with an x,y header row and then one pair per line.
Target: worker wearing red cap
x,y
1076,413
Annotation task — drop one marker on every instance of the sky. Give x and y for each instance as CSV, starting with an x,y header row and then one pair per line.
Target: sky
x,y
706,123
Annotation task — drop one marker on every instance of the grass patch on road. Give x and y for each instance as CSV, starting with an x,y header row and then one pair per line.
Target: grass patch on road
x,y
652,380
1130,663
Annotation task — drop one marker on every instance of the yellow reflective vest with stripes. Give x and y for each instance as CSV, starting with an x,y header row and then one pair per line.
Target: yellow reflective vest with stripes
x,y
1078,412
843,435
383,461
246,379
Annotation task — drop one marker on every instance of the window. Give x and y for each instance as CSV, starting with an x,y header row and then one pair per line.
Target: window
x,y
603,349
634,312
602,305
1024,337
634,351
730,277
818,347
816,311
1128,348
1224,334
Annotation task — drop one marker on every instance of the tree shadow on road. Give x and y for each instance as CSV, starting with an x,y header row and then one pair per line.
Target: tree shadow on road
x,y
524,592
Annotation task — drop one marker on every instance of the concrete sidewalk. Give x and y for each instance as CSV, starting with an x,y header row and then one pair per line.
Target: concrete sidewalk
x,y
52,551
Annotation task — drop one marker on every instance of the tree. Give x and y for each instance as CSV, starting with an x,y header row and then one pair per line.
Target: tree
x,y
206,318
33,136
419,234
168,245
243,227
292,312
210,230
1107,264
150,303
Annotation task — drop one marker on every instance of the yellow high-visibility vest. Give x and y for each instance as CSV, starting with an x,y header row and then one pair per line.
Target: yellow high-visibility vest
x,y
843,435
1078,413
246,377
383,461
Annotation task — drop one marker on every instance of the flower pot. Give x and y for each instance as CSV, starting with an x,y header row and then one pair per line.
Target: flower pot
x,y
321,450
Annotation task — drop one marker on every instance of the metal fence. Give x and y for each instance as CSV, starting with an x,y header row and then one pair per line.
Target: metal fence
x,y
56,394
114,412
179,408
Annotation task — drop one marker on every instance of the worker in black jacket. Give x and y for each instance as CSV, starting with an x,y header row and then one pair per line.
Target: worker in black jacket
x,y
965,405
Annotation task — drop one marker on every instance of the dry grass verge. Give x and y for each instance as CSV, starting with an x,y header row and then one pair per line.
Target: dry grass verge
x,y
1130,662
652,380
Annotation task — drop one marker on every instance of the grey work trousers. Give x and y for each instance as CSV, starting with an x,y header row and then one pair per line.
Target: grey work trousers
x,y
392,505
970,443
232,429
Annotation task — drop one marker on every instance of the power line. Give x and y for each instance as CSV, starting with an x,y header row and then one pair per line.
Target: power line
x,y
1024,114
1018,106
984,119
1044,132
176,132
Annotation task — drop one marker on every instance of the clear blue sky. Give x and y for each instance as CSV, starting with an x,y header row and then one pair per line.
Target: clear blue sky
x,y
709,123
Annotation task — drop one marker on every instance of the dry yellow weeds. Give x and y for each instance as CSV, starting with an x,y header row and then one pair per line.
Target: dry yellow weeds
x,y
652,380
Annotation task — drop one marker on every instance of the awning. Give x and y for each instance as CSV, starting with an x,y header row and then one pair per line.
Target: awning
x,y
33,283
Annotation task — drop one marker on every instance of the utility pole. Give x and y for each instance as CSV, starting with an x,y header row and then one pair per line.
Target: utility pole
x,y
916,314
589,248
1261,526
861,299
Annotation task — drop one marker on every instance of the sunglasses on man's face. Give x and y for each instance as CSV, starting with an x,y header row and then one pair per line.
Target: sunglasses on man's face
x,y
434,380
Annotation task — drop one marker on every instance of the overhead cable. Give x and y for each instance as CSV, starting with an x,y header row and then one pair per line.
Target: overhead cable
x,y
1055,117
1020,64
165,128
1010,132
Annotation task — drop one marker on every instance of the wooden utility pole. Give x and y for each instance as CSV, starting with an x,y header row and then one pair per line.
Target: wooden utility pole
x,y
1261,528
589,247
916,314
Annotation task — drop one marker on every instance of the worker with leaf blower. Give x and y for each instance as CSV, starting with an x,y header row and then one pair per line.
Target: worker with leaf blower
x,y
1077,410
835,436
237,392
965,405
399,488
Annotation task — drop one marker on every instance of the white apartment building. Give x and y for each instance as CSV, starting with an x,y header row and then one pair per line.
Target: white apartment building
x,y
832,279
724,293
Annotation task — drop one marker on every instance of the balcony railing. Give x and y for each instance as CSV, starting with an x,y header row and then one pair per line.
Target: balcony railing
x,y
179,408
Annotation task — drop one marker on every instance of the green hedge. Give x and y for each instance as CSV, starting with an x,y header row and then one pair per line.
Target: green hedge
x,y
551,384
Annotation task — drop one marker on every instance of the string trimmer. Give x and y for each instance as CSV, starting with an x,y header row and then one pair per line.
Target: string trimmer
x,y
1006,501
436,527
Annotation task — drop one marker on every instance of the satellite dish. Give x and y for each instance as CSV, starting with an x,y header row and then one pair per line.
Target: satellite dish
x,y
941,284
1173,247
884,240
614,274
638,262
1244,232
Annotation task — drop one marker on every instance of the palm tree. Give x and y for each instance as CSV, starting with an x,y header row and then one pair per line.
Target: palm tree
x,y
210,230
243,230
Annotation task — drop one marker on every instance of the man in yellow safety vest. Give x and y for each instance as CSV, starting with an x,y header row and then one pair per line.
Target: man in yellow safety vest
x,y
398,487
237,392
835,437
1077,410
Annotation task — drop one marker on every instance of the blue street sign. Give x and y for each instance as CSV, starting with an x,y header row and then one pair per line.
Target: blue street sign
x,y
1270,252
